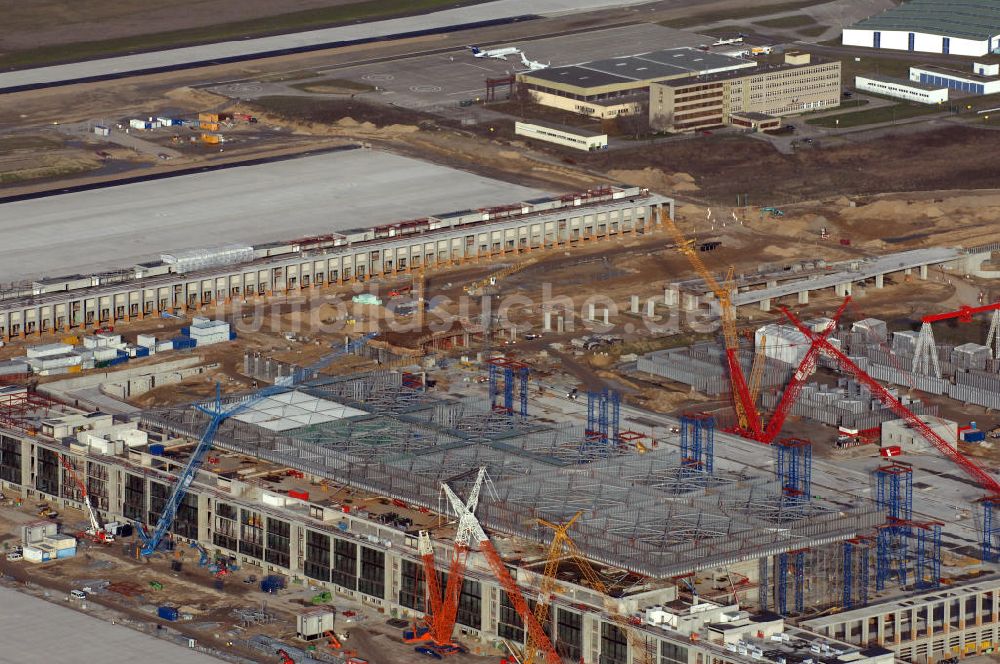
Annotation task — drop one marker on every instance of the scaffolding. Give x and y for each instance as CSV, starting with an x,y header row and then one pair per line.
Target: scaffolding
x,y
857,566
991,531
646,513
510,369
796,560
794,469
698,441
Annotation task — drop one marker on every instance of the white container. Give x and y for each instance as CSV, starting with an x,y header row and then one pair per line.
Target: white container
x,y
164,345
91,342
60,541
146,340
34,555
103,354
48,350
37,530
273,499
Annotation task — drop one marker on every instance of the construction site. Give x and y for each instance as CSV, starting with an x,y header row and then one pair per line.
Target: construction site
x,y
319,360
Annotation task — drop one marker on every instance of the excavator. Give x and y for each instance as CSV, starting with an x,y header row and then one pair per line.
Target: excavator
x,y
285,657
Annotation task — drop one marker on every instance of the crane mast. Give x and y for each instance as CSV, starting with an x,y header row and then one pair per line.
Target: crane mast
x,y
219,414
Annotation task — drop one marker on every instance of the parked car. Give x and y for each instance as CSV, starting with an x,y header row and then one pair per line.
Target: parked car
x,y
15,555
78,594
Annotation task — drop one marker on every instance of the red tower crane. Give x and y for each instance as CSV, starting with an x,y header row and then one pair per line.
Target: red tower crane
x,y
983,478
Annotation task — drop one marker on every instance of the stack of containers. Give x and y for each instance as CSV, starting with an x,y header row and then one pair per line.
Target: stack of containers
x,y
63,545
147,341
205,332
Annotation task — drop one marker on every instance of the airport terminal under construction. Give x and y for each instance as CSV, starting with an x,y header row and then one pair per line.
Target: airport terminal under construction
x,y
649,539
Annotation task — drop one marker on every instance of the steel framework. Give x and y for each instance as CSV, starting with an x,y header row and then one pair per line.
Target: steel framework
x,y
856,571
797,561
698,441
794,469
647,514
991,531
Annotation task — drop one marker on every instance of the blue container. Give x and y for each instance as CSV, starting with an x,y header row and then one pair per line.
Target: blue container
x,y
156,449
232,334
66,553
186,331
975,436
182,342
167,612
142,351
272,583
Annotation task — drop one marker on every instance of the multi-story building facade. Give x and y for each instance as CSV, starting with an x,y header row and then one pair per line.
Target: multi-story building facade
x,y
796,85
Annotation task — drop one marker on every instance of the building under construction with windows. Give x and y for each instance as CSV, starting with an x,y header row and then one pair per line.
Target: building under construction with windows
x,y
332,481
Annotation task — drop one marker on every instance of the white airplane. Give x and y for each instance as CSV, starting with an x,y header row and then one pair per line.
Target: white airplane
x,y
533,65
498,53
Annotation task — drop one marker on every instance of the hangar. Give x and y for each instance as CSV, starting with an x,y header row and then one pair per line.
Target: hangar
x,y
950,27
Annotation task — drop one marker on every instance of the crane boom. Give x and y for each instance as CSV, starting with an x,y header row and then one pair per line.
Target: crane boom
x,y
963,314
559,538
746,410
983,478
798,381
96,522
535,631
150,542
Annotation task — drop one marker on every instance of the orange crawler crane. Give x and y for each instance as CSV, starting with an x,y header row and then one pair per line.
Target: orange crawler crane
x,y
439,623
468,521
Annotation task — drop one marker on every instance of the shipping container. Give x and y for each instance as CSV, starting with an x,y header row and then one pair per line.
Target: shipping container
x,y
301,495
167,612
156,449
141,351
65,553
211,139
891,451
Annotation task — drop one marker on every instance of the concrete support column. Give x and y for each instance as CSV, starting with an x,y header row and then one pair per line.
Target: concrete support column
x,y
651,308
803,297
606,317
547,316
634,304
689,302
765,304
590,312
879,281
923,272
671,296
560,324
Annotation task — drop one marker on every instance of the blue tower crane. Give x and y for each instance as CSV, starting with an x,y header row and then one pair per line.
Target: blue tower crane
x,y
219,414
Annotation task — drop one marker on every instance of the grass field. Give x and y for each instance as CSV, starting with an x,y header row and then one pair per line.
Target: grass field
x,y
735,14
869,116
364,10
794,21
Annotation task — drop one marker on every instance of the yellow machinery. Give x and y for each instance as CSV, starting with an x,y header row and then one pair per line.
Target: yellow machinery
x,y
746,411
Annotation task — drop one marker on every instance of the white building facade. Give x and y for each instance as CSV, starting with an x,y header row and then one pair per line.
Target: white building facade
x,y
901,89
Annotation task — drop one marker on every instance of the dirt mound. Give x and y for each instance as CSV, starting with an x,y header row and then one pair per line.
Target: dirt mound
x,y
656,179
195,99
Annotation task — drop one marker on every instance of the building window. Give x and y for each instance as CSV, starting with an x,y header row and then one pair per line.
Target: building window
x,y
945,45
569,634
614,644
911,41
412,587
372,572
671,653
877,40
470,605
317,561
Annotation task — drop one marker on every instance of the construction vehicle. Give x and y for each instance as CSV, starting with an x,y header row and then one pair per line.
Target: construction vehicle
x,y
773,211
155,585
332,640
98,531
439,623
218,414
470,524
401,290
285,657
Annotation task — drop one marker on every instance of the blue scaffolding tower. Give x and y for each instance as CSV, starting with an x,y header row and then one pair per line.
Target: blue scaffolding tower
x,y
798,563
991,531
603,423
513,372
894,491
794,469
927,568
698,441
856,580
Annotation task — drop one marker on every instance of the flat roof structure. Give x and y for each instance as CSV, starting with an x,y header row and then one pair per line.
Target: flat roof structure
x,y
636,71
968,19
902,82
37,630
445,20
646,514
119,226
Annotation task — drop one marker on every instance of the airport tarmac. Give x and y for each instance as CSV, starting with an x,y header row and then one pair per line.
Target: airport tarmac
x,y
436,83
35,630
449,19
117,227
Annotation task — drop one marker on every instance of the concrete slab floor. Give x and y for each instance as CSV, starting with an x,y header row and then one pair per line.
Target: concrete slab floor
x,y
116,227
